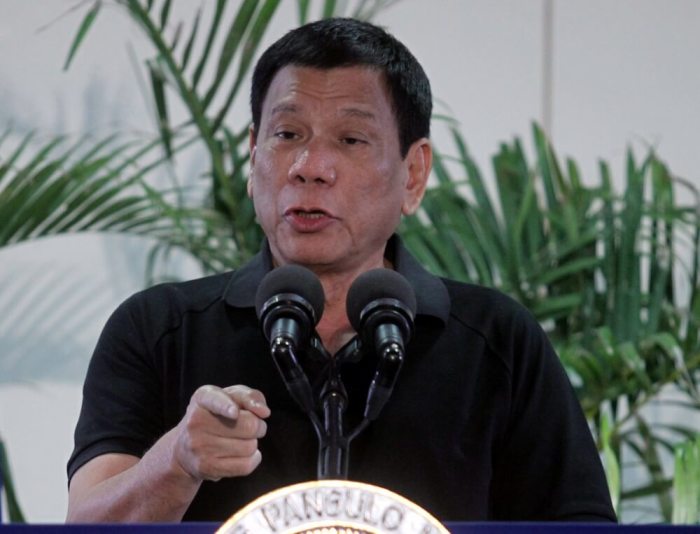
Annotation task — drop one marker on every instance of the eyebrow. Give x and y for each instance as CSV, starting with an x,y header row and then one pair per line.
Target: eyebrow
x,y
284,108
347,112
359,113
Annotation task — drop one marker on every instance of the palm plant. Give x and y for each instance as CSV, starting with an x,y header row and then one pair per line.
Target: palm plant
x,y
114,184
62,188
602,273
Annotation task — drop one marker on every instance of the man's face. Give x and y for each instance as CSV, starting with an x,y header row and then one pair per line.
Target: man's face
x,y
327,178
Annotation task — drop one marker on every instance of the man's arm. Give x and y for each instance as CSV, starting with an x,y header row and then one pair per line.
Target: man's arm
x,y
217,438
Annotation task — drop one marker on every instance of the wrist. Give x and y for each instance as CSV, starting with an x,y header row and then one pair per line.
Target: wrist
x,y
174,481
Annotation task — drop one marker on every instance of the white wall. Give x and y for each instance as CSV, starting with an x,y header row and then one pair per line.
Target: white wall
x,y
624,72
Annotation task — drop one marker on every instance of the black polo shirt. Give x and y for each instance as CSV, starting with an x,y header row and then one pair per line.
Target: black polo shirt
x,y
482,424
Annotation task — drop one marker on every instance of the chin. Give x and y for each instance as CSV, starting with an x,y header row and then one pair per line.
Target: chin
x,y
302,255
308,249
310,258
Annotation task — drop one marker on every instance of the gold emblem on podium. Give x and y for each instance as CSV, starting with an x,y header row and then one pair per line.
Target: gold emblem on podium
x,y
332,507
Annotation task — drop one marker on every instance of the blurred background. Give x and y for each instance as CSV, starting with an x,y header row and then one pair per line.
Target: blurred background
x,y
599,77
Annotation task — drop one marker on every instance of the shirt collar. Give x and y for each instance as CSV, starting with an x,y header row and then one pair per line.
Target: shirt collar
x,y
431,293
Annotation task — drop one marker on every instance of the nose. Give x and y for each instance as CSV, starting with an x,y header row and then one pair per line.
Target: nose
x,y
314,163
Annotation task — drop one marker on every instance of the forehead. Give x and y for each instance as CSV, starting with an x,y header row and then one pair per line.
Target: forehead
x,y
360,87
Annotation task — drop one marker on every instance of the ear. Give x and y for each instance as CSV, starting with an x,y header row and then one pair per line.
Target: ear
x,y
419,161
252,143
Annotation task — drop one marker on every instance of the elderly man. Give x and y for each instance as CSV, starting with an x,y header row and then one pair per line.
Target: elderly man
x,y
185,415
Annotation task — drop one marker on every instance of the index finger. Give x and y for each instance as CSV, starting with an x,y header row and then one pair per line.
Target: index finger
x,y
249,399
217,401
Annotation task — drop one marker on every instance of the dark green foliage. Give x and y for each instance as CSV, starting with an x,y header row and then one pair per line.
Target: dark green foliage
x,y
612,277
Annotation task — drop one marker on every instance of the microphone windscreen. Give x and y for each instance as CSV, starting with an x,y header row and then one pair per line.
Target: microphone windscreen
x,y
377,284
293,279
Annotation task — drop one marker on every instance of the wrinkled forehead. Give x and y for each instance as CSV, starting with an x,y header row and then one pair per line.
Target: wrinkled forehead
x,y
363,85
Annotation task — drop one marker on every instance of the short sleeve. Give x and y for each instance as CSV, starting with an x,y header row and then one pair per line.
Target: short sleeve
x,y
548,467
122,408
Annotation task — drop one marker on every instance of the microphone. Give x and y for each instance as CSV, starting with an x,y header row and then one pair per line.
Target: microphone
x,y
289,304
381,306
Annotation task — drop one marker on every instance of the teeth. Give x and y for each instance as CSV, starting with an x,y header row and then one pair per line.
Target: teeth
x,y
310,214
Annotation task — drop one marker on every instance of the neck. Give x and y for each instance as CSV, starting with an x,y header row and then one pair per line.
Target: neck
x,y
334,328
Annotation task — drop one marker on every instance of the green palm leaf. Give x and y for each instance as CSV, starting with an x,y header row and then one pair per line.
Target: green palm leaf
x,y
62,188
14,511
598,269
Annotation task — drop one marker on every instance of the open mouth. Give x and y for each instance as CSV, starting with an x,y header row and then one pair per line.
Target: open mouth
x,y
309,214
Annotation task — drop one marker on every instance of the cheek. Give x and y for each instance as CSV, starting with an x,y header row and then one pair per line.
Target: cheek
x,y
259,193
263,163
375,175
265,174
263,198
388,184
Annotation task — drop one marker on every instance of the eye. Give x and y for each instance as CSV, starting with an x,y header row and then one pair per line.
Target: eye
x,y
286,135
352,141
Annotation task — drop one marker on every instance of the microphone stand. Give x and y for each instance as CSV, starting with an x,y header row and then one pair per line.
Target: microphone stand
x,y
333,444
333,449
295,380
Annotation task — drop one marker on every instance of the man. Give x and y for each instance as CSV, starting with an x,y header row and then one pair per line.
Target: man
x,y
184,414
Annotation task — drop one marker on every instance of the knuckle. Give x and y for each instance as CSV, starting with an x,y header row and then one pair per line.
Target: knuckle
x,y
248,465
203,391
248,447
238,389
248,425
257,395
